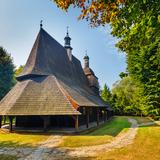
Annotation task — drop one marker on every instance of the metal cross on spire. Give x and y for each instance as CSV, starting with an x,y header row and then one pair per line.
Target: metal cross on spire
x,y
67,30
41,25
86,52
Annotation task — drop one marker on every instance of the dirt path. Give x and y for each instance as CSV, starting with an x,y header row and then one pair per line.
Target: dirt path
x,y
45,147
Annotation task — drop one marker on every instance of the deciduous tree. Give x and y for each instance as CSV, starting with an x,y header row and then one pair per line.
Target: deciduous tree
x,y
106,94
136,23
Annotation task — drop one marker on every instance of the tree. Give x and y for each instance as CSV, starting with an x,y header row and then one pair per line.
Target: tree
x,y
136,24
106,94
123,74
138,30
98,12
128,98
6,72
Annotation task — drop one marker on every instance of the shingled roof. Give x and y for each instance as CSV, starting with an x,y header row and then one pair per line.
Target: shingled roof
x,y
50,84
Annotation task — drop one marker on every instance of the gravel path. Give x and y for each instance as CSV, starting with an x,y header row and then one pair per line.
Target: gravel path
x,y
45,147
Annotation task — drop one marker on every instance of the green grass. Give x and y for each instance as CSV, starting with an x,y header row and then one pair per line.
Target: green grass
x,y
7,157
99,136
145,146
21,140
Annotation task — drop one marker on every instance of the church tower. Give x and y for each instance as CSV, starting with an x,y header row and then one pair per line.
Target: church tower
x,y
67,45
92,79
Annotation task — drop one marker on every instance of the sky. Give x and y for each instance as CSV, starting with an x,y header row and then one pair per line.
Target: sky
x,y
20,24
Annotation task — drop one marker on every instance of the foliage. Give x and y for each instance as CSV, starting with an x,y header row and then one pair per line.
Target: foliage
x,y
102,135
106,94
98,12
128,98
19,70
136,24
6,72
123,74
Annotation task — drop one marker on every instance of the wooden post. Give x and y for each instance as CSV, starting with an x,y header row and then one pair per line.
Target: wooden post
x,y
107,114
0,121
45,123
104,115
87,117
97,116
4,119
10,123
76,122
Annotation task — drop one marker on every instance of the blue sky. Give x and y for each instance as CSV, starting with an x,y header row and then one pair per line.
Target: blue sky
x,y
19,26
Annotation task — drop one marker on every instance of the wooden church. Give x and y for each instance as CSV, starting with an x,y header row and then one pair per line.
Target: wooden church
x,y
53,90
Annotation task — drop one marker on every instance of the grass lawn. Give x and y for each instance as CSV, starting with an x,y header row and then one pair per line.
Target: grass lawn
x,y
7,157
145,146
21,140
100,136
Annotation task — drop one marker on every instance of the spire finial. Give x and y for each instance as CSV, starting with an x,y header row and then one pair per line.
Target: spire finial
x,y
41,25
67,30
86,52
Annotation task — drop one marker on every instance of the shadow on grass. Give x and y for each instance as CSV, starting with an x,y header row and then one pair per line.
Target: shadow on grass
x,y
10,144
111,128
8,157
55,152
21,139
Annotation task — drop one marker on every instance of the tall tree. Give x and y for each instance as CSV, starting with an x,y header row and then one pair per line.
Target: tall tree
x,y
98,12
106,94
136,24
6,72
128,98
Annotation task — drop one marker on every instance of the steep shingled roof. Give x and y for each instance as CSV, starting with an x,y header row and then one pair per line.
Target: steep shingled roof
x,y
50,83
48,57
37,96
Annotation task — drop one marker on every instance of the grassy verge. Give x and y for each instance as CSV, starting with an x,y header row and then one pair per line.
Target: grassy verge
x,y
7,157
21,140
145,146
100,136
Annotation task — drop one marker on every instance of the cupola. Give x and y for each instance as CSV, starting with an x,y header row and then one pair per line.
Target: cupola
x,y
67,45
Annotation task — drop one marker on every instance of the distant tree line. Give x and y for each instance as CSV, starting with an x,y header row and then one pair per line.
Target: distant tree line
x,y
127,98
